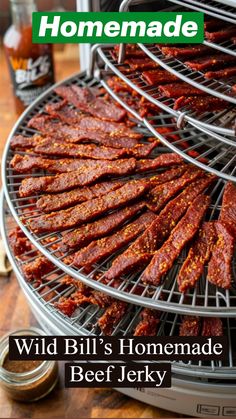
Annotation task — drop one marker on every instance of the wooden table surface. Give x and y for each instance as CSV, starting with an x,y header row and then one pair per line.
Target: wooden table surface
x,y
15,313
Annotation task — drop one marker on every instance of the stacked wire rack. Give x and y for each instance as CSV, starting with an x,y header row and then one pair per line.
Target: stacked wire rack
x,y
210,386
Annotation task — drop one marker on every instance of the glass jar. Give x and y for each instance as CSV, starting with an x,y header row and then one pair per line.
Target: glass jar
x,y
31,385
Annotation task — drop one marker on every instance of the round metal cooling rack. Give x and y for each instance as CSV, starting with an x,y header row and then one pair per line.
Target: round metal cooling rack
x,y
84,321
215,124
204,300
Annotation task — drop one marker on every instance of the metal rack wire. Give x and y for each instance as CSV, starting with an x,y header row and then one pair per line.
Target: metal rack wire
x,y
204,300
213,87
152,94
84,321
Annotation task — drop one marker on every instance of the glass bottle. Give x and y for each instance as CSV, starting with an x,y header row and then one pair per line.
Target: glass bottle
x,y
30,65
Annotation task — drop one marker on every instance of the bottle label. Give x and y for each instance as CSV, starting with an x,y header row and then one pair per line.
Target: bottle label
x,y
31,77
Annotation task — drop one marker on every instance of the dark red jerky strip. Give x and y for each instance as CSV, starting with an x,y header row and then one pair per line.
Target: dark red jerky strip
x,y
198,255
141,63
75,134
161,194
90,151
81,177
221,74
37,269
100,249
88,123
164,160
141,251
84,99
156,77
88,210
66,305
140,151
118,85
187,227
185,52
19,243
212,326
201,104
212,61
84,235
220,265
148,323
175,90
112,316
221,35
114,129
27,163
130,51
213,24
49,203
64,112
21,142
190,326
167,176
228,208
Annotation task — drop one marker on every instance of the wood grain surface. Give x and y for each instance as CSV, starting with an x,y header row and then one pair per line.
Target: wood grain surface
x,y
15,313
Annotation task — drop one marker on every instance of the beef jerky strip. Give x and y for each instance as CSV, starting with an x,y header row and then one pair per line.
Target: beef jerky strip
x,y
141,251
158,77
228,208
90,151
21,142
148,323
198,255
66,305
141,63
212,61
220,265
213,24
89,123
201,104
112,316
85,234
191,51
212,326
130,51
81,177
84,99
38,268
24,164
184,231
49,203
164,160
221,74
88,210
19,243
64,112
167,176
100,249
222,35
75,134
114,129
190,326
161,194
175,90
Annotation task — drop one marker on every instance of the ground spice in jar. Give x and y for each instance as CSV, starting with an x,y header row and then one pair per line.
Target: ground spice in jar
x,y
27,380
20,366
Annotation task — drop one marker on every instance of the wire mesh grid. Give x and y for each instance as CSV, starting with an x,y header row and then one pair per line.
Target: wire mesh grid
x,y
84,320
205,299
